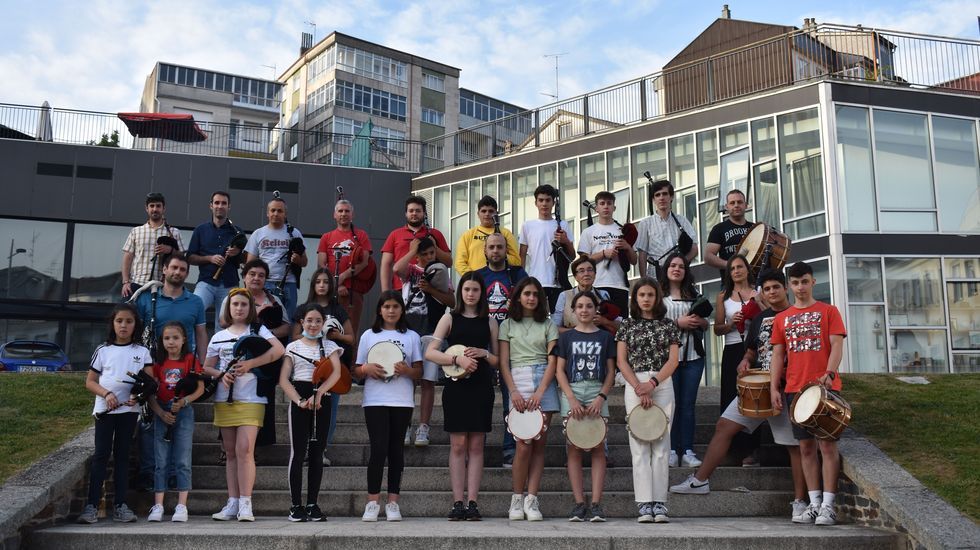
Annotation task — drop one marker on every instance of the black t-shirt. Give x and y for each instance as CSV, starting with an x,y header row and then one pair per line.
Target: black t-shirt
x,y
728,235
759,336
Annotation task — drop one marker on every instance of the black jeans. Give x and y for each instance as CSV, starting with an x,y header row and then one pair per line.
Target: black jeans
x,y
386,429
300,426
113,433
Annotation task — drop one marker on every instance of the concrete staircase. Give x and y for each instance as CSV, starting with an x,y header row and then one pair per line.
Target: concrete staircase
x,y
747,506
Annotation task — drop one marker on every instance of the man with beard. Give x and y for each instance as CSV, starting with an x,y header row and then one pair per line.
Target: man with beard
x,y
141,253
211,250
470,248
270,243
346,236
400,241
724,237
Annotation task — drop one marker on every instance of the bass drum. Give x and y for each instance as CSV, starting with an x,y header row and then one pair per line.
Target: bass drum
x,y
765,248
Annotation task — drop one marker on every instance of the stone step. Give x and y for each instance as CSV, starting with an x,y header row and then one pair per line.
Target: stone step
x,y
354,478
764,533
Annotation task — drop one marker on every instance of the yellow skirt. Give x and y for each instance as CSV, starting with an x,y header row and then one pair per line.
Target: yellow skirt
x,y
230,415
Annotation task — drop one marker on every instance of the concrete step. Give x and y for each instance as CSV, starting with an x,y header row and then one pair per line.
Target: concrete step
x,y
764,533
434,478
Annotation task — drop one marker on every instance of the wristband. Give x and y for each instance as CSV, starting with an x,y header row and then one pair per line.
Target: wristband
x,y
106,395
454,360
832,374
603,396
654,381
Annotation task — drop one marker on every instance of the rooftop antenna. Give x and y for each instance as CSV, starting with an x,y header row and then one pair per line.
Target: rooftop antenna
x,y
312,24
556,56
275,71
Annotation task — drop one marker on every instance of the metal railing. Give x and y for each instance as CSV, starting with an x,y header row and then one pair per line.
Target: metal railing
x,y
236,140
813,52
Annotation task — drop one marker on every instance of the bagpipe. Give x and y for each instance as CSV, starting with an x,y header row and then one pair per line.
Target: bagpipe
x,y
247,346
296,246
322,371
184,387
144,389
562,259
238,241
685,243
630,235
165,240
363,281
148,338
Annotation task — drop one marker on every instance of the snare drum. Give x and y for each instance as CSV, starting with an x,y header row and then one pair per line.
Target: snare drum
x,y
647,425
453,371
585,434
820,412
526,426
386,354
754,400
760,240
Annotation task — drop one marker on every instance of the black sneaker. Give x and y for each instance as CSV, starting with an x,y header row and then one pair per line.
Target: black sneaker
x,y
596,513
472,512
579,513
297,513
313,513
458,513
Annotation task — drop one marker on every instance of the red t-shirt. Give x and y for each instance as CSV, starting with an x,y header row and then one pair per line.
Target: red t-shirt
x,y
399,240
805,334
171,372
339,238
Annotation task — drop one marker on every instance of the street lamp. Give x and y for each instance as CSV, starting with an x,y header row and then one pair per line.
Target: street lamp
x,y
10,262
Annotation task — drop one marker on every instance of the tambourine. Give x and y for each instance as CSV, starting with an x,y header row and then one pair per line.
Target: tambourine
x,y
647,425
526,426
454,371
586,433
386,354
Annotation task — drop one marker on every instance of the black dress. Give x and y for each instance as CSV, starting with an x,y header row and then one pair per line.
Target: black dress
x,y
468,402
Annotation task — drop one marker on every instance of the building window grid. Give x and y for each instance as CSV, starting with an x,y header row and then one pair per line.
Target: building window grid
x,y
433,81
369,100
246,90
372,65
322,63
432,116
318,100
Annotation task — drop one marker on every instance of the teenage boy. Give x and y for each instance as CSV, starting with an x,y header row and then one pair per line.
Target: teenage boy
x,y
470,250
660,233
603,243
537,253
809,335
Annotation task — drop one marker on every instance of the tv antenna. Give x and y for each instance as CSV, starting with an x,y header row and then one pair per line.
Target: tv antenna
x,y
312,24
275,71
556,56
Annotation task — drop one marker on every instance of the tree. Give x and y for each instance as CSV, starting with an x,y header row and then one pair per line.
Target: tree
x,y
108,140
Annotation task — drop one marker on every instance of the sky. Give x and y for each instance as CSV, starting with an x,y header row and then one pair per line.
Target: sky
x,y
96,55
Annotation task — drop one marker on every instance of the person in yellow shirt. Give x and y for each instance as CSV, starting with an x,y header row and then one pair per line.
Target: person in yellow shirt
x,y
469,250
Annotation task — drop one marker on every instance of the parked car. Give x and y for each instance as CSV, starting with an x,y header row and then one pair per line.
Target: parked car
x,y
33,356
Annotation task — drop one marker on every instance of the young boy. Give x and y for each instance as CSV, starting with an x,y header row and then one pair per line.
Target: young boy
x,y
602,243
536,238
809,335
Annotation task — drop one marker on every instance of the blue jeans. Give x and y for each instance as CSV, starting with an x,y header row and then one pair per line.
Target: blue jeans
x,y
211,295
334,405
686,379
289,296
176,454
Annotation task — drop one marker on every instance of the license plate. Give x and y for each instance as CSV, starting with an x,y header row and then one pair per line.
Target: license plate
x,y
33,368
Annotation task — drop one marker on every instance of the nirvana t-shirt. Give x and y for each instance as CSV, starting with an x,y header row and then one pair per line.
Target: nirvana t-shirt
x,y
728,235
399,392
112,362
585,354
499,284
806,334
759,338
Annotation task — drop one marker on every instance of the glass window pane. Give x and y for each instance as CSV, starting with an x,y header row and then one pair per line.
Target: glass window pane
x,y
460,200
83,337
649,157
35,253
568,182
713,345
802,166
504,200
763,139
708,218
733,137
458,227
475,197
821,274
524,183
95,275
964,323
957,173
903,160
547,174
682,161
490,188
593,179
855,169
864,280
735,172
966,362
918,350
908,221
913,292
866,338
708,164
807,227
45,331
962,268
442,207
619,172
765,199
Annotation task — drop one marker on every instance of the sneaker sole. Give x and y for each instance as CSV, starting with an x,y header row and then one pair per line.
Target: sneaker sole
x,y
802,521
87,521
369,520
644,519
825,523
246,518
661,519
176,520
296,520
536,518
597,520
158,520
513,517
576,519
223,518
690,490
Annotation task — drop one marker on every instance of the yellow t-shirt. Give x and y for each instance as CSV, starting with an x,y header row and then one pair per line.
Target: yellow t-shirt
x,y
470,254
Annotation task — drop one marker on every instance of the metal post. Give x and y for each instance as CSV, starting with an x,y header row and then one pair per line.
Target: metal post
x,y
493,139
537,128
643,99
711,81
585,115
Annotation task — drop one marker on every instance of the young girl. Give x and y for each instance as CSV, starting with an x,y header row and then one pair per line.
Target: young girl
x,y
115,411
585,371
678,299
174,362
241,419
388,405
647,347
467,403
526,340
737,289
305,402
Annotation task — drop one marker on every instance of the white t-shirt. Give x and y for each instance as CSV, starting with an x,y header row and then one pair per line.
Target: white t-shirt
x,y
221,346
599,237
303,369
112,362
270,245
537,235
400,391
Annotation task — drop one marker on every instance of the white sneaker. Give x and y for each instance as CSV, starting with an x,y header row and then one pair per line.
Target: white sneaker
x,y
180,513
156,513
229,512
690,460
516,508
422,435
691,486
392,512
245,510
531,510
408,436
371,510
672,459
799,507
660,512
809,514
827,516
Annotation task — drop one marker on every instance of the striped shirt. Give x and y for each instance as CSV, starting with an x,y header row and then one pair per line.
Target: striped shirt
x,y
675,310
141,242
303,369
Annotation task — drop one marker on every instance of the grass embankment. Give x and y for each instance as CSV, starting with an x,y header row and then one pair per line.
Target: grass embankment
x,y
39,413
931,430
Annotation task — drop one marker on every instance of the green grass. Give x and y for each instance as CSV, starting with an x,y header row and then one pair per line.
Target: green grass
x,y
931,430
39,413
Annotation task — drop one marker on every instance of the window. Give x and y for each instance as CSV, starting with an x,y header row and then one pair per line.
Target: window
x,y
372,65
802,174
432,151
855,170
649,157
903,163
431,116
95,275
321,64
763,139
914,292
36,258
433,81
735,172
957,173
319,99
369,100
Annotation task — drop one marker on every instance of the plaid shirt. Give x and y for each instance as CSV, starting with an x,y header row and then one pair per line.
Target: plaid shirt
x,y
141,242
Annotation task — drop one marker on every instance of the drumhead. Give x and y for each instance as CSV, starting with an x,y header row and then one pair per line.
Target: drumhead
x,y
454,371
806,403
755,379
587,433
525,425
385,354
752,241
647,424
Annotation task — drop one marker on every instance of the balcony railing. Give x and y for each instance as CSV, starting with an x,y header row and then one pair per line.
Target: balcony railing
x,y
814,52
237,140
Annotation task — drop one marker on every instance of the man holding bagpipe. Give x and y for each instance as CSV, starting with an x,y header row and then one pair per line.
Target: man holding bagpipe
x,y
280,245
146,245
216,248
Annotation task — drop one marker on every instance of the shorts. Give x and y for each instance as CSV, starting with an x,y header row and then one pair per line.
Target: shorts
x,y
798,431
585,392
782,429
431,371
528,379
238,413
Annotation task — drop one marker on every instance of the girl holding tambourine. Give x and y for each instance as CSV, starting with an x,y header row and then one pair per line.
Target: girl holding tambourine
x,y
467,402
526,339
388,402
647,347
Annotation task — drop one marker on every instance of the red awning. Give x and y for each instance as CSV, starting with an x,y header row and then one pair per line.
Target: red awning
x,y
175,127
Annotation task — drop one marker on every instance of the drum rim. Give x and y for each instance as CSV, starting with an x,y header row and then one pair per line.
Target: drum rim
x,y
666,421
540,417
821,392
569,419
